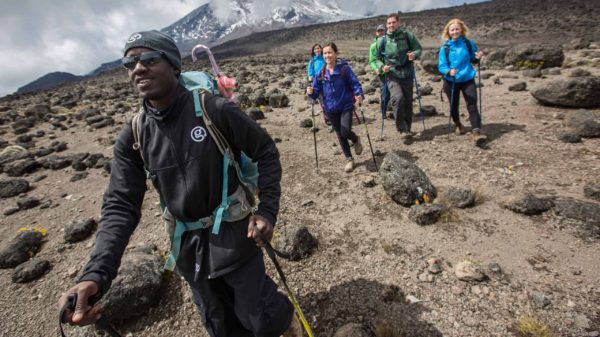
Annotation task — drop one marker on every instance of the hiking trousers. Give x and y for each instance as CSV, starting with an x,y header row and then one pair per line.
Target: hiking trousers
x,y
469,90
243,302
342,124
401,93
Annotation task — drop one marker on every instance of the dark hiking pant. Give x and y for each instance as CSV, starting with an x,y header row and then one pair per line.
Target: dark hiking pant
x,y
243,302
342,124
401,93
469,91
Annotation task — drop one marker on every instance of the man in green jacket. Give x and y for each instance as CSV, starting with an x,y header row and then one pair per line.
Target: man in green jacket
x,y
385,93
396,51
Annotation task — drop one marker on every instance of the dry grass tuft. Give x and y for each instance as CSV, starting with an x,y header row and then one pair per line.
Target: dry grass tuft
x,y
531,326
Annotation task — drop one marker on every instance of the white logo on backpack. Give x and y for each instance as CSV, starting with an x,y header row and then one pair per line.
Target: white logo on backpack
x,y
198,134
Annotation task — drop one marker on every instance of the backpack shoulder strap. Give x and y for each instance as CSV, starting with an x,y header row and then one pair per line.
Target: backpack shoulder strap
x,y
407,40
447,53
382,45
136,129
470,49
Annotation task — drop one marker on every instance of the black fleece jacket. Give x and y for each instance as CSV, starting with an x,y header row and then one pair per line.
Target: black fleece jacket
x,y
186,166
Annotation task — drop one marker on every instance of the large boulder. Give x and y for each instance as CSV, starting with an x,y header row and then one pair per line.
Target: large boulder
x,y
404,181
575,92
13,187
429,61
20,249
528,204
535,56
137,286
578,210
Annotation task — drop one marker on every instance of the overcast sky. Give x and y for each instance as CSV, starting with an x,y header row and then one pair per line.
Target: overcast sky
x,y
77,36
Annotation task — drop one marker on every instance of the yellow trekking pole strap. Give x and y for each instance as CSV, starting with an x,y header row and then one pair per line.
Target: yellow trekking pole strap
x,y
272,252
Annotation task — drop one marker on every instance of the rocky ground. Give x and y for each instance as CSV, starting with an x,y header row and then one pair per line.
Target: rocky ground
x,y
530,239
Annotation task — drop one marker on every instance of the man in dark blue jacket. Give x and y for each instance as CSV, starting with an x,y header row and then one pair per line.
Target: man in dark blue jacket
x,y
225,271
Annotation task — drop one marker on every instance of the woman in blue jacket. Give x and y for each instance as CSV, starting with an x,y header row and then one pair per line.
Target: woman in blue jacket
x,y
455,61
340,89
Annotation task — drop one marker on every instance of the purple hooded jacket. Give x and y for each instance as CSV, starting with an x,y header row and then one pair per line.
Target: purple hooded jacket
x,y
338,88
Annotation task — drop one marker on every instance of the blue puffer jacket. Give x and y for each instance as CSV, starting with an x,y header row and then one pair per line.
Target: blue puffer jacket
x,y
459,60
315,65
338,88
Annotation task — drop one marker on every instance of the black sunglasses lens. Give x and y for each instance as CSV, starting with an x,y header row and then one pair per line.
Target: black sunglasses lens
x,y
147,59
128,62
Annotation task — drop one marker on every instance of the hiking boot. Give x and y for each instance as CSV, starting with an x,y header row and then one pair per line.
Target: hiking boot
x,y
459,129
358,146
330,128
478,138
349,166
295,329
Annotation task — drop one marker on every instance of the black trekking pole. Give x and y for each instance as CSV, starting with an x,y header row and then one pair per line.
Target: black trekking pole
x,y
480,94
418,95
451,106
101,324
314,130
384,103
362,112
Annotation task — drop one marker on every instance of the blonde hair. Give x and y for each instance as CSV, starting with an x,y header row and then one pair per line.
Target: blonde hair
x,y
463,28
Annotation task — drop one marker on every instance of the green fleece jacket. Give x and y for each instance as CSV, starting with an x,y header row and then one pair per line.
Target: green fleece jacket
x,y
394,55
373,55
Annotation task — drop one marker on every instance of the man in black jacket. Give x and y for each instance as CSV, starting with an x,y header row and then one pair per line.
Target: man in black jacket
x,y
225,271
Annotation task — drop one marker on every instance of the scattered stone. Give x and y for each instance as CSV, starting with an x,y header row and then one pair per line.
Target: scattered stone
x,y
137,287
521,86
578,92
391,293
578,210
569,137
80,230
11,211
534,73
426,90
20,249
528,204
13,187
353,330
30,270
306,123
434,266
467,271
428,111
592,191
278,101
458,197
580,73
495,268
255,113
369,89
426,214
21,167
307,203
368,182
295,240
78,176
404,181
539,299
28,203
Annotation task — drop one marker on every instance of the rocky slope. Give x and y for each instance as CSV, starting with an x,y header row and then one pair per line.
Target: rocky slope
x,y
530,239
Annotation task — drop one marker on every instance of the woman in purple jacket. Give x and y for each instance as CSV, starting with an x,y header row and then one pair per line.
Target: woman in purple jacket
x,y
340,88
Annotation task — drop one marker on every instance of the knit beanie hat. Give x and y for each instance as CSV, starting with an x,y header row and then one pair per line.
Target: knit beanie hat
x,y
158,41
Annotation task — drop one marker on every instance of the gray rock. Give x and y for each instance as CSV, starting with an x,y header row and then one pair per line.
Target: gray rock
x,y
353,330
368,89
11,211
429,62
528,204
580,73
30,270
279,100
585,123
56,162
13,187
539,299
534,73
78,176
578,92
404,181
569,137
255,113
459,197
487,75
521,86
578,210
426,90
20,167
426,214
306,123
80,230
296,241
137,286
467,271
592,191
28,203
428,111
534,56
20,249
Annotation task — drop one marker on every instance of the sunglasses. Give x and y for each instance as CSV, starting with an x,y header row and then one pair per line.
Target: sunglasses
x,y
149,58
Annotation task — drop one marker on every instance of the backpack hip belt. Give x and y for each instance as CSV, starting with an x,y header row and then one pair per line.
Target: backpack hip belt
x,y
238,207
